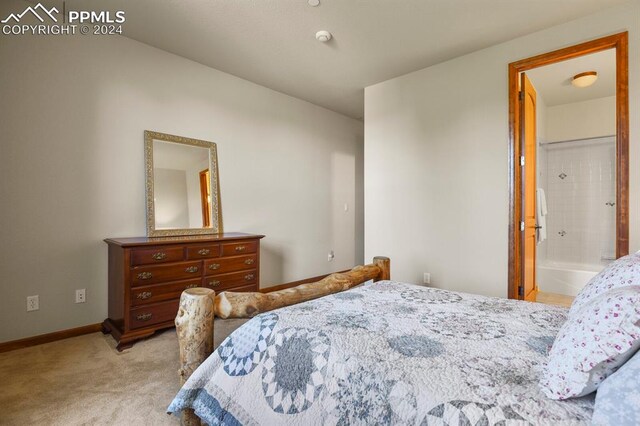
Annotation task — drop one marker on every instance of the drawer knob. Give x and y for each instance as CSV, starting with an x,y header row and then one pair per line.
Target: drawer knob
x,y
241,248
144,295
214,283
249,262
159,256
191,269
249,277
191,286
144,317
214,266
145,275
204,252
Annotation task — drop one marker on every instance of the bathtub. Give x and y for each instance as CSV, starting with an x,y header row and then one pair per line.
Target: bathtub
x,y
564,278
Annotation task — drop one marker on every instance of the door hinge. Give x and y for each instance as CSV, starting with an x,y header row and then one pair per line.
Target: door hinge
x,y
521,226
522,160
521,291
521,95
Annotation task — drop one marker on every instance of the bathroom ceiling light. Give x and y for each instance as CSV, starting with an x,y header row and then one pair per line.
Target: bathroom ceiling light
x,y
584,79
314,3
323,36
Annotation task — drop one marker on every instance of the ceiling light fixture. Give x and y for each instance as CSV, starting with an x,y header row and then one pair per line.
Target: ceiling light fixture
x,y
314,3
323,36
584,79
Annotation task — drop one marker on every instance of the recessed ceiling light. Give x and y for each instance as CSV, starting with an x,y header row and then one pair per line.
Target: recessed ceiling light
x,y
323,36
584,79
314,3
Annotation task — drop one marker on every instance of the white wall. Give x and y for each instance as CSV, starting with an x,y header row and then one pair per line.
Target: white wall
x,y
580,120
73,111
436,195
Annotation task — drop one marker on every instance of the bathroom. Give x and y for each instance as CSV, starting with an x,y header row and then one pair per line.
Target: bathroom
x,y
575,173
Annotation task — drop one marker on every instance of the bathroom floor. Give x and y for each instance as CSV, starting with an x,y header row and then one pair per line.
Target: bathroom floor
x,y
554,299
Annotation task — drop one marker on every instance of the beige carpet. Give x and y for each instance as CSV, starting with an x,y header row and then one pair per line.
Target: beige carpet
x,y
85,381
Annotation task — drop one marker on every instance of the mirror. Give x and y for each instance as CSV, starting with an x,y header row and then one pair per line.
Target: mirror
x,y
183,191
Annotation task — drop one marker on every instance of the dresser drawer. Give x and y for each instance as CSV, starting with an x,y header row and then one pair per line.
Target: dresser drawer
x,y
143,275
244,288
156,255
143,295
145,316
224,265
203,251
244,247
221,282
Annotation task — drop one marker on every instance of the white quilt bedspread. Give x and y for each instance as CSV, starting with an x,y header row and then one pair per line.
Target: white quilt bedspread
x,y
385,353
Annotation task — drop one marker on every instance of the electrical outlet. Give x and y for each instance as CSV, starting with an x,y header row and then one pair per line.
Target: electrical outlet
x,y
33,303
81,295
426,278
330,256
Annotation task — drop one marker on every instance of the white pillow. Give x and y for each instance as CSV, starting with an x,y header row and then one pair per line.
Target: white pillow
x,y
618,397
594,342
622,272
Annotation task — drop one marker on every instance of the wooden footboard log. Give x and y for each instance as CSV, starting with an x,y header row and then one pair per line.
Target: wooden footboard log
x,y
247,305
194,323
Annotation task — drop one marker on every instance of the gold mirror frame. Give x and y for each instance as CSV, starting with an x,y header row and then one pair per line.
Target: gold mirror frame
x,y
216,210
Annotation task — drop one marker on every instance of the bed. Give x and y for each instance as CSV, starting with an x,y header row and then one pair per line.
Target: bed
x,y
383,353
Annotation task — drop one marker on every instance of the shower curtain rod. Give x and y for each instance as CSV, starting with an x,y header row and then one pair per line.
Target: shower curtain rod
x,y
578,140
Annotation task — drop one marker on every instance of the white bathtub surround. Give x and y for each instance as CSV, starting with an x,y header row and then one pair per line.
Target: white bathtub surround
x,y
580,190
564,278
581,201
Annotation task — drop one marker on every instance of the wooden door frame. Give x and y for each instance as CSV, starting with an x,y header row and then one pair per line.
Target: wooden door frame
x,y
619,42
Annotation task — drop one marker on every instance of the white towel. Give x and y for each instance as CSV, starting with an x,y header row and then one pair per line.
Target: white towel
x,y
542,201
541,213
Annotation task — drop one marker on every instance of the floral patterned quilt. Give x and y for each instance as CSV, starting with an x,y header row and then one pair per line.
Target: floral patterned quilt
x,y
385,353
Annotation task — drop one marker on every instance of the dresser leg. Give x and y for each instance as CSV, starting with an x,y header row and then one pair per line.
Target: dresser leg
x,y
104,329
127,340
124,345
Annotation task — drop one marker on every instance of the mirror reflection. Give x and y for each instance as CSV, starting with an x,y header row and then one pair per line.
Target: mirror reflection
x,y
182,186
181,181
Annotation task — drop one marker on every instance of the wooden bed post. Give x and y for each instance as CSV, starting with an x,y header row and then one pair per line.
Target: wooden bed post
x,y
384,263
194,325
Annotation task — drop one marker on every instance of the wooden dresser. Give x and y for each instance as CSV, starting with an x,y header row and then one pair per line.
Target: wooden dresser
x,y
147,276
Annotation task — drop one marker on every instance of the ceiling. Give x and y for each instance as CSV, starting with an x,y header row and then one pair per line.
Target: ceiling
x,y
272,42
553,82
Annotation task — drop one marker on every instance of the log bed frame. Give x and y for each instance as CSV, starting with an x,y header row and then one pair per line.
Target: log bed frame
x,y
199,307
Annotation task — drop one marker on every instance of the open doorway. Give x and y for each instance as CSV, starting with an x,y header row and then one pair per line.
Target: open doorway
x,y
569,168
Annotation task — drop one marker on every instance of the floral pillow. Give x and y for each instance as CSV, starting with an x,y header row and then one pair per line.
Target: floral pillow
x,y
593,344
618,397
624,271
